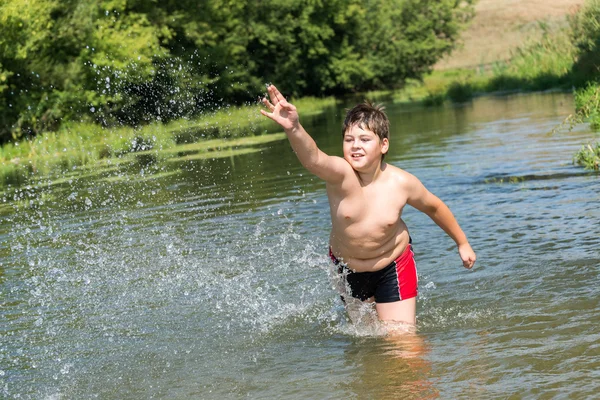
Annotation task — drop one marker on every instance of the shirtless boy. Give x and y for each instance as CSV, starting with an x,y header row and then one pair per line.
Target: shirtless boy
x,y
369,241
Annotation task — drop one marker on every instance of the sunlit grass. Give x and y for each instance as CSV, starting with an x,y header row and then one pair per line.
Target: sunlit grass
x,y
587,103
77,145
588,157
540,65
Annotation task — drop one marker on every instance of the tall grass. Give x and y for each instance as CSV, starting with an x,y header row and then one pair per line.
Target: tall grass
x,y
81,144
587,104
588,156
539,65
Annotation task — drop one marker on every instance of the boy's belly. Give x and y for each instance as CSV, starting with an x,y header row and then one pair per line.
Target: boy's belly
x,y
364,252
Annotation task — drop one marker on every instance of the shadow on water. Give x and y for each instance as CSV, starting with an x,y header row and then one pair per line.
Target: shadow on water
x,y
504,178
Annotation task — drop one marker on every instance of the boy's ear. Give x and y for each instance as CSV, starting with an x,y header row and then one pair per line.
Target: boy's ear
x,y
385,145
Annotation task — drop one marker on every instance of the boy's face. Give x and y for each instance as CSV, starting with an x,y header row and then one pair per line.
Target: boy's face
x,y
362,148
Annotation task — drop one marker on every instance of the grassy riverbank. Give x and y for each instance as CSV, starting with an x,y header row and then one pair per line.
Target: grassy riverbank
x,y
510,45
541,55
540,65
83,144
523,47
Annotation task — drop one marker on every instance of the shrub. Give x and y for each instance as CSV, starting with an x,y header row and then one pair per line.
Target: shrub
x,y
585,34
587,104
588,156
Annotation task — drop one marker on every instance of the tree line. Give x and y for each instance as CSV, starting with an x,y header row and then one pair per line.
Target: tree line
x,y
135,61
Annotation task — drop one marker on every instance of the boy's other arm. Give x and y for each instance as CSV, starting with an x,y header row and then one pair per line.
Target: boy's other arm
x,y
329,168
425,201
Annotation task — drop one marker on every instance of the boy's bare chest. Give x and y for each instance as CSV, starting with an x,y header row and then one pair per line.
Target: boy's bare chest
x,y
381,209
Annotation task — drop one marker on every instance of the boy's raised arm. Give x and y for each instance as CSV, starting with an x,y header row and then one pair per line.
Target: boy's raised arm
x,y
328,168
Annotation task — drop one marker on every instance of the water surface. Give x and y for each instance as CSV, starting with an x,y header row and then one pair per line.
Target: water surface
x,y
209,278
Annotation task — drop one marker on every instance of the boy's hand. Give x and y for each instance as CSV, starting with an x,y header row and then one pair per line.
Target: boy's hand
x,y
282,112
467,255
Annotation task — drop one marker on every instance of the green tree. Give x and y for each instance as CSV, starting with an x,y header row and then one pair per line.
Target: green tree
x,y
339,46
59,57
133,61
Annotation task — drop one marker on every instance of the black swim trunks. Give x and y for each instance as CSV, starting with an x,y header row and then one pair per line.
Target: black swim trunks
x,y
397,281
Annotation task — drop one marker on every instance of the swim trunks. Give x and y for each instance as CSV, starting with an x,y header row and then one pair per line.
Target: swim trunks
x,y
398,281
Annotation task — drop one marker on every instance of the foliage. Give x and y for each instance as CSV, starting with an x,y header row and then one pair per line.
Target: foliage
x,y
79,144
539,65
542,64
60,58
588,156
585,34
587,104
134,62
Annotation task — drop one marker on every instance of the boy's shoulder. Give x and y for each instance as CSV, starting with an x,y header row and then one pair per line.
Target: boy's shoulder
x,y
400,176
398,172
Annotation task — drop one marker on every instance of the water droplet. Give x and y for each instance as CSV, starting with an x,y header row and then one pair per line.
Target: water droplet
x,y
430,285
65,369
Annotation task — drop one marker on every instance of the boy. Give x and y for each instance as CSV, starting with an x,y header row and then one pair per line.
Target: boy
x,y
369,241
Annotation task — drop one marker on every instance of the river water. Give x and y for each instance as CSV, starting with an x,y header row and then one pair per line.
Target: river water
x,y
209,278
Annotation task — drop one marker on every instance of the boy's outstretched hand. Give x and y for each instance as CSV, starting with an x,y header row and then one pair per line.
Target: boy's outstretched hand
x,y
282,112
467,255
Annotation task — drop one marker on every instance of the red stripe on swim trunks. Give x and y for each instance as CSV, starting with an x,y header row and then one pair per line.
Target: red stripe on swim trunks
x,y
406,272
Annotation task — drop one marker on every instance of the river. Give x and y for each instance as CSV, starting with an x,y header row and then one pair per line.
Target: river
x,y
209,278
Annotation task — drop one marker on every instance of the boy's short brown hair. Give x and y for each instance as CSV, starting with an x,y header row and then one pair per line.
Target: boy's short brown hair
x,y
368,116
